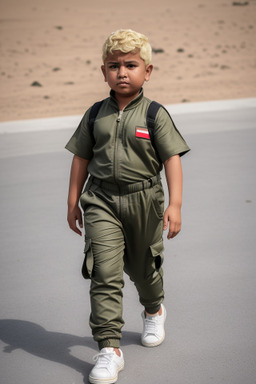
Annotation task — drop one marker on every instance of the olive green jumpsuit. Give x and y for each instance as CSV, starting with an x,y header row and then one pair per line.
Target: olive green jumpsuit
x,y
123,205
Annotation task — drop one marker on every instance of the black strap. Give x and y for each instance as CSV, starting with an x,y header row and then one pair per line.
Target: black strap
x,y
151,115
92,116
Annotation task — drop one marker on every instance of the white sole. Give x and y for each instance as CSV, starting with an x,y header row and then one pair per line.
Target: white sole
x,y
111,380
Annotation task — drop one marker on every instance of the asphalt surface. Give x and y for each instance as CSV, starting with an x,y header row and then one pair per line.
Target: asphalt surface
x,y
210,281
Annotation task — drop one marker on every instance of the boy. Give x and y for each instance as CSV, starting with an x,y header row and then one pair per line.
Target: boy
x,y
123,200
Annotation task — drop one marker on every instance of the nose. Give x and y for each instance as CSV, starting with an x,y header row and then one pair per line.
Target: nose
x,y
122,71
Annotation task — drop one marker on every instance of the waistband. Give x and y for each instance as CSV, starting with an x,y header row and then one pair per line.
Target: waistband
x,y
127,188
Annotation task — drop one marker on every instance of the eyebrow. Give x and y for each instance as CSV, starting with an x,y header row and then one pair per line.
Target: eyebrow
x,y
126,62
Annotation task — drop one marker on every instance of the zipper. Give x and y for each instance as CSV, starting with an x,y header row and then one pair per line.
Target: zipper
x,y
115,170
120,116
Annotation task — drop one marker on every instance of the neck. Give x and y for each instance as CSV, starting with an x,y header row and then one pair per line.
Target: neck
x,y
123,101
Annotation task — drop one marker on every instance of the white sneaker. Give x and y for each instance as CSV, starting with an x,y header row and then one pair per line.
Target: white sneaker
x,y
107,367
153,329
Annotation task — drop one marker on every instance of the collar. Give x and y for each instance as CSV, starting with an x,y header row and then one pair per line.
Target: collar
x,y
132,103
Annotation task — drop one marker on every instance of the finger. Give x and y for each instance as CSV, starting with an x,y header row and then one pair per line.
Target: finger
x,y
171,230
170,235
174,229
80,220
76,230
72,225
165,222
173,233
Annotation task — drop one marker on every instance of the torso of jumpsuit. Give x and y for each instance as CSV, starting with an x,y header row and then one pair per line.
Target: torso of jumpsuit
x,y
123,205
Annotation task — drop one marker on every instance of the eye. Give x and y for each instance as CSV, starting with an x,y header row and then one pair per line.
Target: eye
x,y
113,66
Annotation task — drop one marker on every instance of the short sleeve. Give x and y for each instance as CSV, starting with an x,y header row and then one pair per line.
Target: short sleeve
x,y
80,143
168,140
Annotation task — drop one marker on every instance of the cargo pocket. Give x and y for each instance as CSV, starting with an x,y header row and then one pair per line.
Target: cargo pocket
x,y
88,260
157,257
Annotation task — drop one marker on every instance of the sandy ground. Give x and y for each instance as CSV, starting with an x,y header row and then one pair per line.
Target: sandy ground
x,y
207,52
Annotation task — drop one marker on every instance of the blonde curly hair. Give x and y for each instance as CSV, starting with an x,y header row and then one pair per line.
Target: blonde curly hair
x,y
127,40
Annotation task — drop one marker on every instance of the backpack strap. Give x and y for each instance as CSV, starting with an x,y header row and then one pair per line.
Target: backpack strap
x,y
92,116
151,116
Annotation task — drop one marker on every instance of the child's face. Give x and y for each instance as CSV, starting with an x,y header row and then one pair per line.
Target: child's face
x,y
125,73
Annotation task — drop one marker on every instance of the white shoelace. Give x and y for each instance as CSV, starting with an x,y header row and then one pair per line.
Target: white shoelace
x,y
150,325
103,360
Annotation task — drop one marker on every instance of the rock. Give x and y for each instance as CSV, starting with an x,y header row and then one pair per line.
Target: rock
x,y
36,84
240,3
157,50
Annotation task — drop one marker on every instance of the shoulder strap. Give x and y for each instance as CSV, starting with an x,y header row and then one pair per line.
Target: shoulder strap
x,y
92,116
151,115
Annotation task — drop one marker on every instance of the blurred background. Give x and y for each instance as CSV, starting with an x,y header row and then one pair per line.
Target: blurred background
x,y
51,52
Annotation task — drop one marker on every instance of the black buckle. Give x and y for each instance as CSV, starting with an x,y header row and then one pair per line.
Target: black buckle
x,y
150,182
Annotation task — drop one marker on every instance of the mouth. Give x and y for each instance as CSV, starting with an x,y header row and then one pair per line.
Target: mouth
x,y
122,83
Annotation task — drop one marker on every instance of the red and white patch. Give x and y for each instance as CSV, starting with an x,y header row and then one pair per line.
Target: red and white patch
x,y
142,133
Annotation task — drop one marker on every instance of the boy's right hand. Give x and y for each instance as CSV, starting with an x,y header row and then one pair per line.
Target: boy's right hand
x,y
74,215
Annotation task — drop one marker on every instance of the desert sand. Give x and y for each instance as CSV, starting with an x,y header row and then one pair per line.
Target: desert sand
x,y
51,52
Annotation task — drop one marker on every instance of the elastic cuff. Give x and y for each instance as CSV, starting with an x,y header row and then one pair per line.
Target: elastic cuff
x,y
109,343
153,310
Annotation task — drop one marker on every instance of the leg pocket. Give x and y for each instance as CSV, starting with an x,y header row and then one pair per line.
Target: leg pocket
x,y
157,257
87,267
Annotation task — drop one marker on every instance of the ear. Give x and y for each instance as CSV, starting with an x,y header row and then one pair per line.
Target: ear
x,y
103,69
149,69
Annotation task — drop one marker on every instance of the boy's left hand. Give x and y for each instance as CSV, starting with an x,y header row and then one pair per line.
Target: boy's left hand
x,y
172,215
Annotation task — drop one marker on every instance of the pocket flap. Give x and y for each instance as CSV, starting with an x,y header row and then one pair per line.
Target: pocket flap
x,y
157,248
87,245
88,260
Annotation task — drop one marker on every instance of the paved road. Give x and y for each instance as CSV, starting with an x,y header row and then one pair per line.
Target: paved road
x,y
210,280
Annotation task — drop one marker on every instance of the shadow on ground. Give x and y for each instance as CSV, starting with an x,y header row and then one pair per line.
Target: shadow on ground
x,y
53,346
